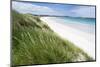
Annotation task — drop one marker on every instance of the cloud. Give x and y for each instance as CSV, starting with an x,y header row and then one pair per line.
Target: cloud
x,y
74,11
84,11
33,9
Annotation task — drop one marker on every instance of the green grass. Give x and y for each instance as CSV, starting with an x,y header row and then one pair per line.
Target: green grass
x,y
33,42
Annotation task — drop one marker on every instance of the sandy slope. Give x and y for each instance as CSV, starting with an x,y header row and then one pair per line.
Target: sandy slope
x,y
82,39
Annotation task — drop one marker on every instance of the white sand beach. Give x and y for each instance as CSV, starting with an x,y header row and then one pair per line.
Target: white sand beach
x,y
73,33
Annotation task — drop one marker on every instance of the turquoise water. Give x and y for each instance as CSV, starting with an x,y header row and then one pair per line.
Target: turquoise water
x,y
82,24
90,21
81,20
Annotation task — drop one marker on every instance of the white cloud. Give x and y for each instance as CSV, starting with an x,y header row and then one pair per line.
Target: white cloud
x,y
85,11
30,8
80,11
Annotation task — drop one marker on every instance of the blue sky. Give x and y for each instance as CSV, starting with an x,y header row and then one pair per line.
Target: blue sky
x,y
54,9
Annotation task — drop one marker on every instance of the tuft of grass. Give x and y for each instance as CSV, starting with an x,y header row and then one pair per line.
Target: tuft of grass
x,y
33,42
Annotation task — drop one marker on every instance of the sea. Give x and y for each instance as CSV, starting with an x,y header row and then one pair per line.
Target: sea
x,y
83,24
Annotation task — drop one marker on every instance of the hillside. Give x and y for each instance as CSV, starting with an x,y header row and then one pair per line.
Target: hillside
x,y
33,42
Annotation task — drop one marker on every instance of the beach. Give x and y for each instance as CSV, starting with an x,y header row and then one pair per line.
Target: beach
x,y
75,33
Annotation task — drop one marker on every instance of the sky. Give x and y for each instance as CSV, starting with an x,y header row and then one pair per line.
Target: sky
x,y
54,9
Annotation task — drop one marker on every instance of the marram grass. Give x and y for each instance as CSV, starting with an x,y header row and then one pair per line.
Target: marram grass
x,y
33,42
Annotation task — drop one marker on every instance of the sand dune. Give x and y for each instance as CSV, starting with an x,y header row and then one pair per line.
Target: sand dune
x,y
82,39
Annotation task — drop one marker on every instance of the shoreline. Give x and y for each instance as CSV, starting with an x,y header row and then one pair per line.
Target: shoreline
x,y
82,39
